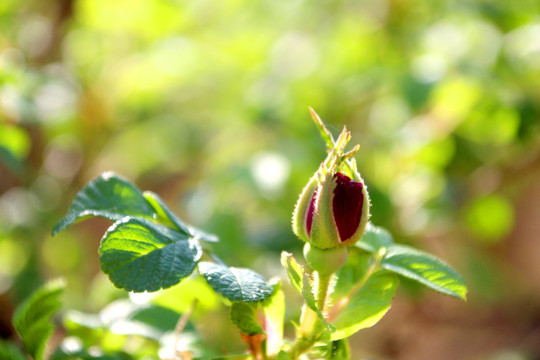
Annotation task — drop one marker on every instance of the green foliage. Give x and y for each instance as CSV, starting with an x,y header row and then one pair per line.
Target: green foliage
x,y
138,255
148,248
424,268
335,350
244,317
274,315
32,320
107,196
366,306
294,271
8,351
374,239
235,284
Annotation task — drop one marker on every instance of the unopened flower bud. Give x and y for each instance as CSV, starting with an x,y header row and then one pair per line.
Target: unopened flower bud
x,y
333,209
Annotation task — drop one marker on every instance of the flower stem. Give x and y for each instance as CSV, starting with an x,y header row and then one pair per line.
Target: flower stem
x,y
310,328
323,283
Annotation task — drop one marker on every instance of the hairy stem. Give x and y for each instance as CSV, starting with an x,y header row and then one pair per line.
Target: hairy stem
x,y
310,329
323,283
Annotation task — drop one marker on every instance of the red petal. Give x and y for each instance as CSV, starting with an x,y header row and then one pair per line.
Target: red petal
x,y
347,205
309,220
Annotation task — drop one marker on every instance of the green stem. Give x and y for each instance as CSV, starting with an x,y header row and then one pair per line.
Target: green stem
x,y
323,283
310,328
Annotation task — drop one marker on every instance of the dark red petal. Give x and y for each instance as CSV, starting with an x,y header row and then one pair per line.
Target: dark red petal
x,y
347,205
309,220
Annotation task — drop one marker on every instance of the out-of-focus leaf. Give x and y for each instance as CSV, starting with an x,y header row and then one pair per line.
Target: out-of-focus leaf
x,y
167,217
236,284
8,351
62,354
335,350
374,238
282,355
180,297
243,316
426,269
32,319
490,218
108,196
139,255
274,314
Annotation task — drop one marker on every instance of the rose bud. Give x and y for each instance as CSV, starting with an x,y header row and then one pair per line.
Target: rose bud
x,y
333,209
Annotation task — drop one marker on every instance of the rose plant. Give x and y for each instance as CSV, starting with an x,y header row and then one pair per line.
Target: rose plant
x,y
347,282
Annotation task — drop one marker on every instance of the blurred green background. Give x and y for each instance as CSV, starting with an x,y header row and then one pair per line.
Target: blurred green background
x,y
205,103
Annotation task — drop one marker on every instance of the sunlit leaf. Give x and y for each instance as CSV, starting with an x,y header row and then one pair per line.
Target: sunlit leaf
x,y
139,255
32,319
366,307
108,196
236,284
274,314
294,271
181,297
167,217
424,268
